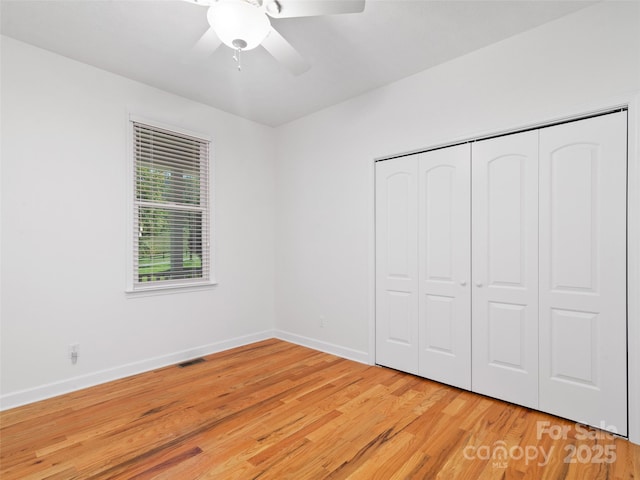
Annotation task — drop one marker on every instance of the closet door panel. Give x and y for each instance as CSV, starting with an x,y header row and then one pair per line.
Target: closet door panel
x,y
583,271
505,268
444,258
397,263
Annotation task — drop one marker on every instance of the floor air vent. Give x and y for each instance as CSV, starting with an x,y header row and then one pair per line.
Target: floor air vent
x,y
188,363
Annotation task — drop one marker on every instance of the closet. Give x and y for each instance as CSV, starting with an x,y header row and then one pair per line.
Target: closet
x,y
501,268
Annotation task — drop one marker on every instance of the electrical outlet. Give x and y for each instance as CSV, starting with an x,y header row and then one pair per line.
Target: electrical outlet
x,y
74,352
323,321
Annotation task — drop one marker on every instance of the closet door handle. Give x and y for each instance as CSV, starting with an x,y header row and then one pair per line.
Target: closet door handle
x,y
478,284
463,282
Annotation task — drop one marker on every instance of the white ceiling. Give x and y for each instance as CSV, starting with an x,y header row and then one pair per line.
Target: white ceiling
x,y
149,41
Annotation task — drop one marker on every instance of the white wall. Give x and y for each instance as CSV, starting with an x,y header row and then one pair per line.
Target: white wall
x,y
64,201
324,180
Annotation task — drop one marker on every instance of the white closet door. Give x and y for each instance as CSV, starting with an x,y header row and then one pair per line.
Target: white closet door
x,y
445,265
397,263
583,369
505,268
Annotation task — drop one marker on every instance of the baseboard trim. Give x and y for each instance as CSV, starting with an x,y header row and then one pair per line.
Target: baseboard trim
x,y
338,350
43,392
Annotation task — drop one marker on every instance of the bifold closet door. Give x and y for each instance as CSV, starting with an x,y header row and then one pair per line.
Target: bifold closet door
x,y
505,268
445,263
397,263
583,369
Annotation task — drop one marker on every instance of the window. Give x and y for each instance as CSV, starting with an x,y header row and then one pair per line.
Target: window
x,y
170,208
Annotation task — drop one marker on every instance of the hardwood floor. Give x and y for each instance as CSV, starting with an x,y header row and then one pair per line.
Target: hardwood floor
x,y
273,410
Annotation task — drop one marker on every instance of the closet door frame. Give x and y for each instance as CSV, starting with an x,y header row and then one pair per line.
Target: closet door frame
x,y
632,104
633,266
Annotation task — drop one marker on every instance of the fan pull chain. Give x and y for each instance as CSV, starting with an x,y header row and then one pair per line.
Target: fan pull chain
x,y
239,44
236,57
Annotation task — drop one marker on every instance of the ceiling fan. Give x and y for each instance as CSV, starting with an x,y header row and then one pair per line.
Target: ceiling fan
x,y
244,24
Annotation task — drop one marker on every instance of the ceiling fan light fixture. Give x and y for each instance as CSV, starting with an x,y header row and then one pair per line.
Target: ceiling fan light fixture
x,y
239,23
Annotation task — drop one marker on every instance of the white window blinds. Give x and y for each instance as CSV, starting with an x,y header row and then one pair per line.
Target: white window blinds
x,y
171,208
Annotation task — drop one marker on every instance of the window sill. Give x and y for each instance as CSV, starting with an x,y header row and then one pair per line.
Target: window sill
x,y
168,289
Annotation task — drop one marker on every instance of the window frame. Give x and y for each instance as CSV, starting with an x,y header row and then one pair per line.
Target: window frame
x,y
133,287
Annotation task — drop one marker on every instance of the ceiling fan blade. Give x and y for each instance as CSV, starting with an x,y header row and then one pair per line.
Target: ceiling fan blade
x,y
310,8
282,51
205,46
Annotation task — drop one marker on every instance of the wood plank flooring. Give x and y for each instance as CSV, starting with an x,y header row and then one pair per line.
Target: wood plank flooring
x,y
273,410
